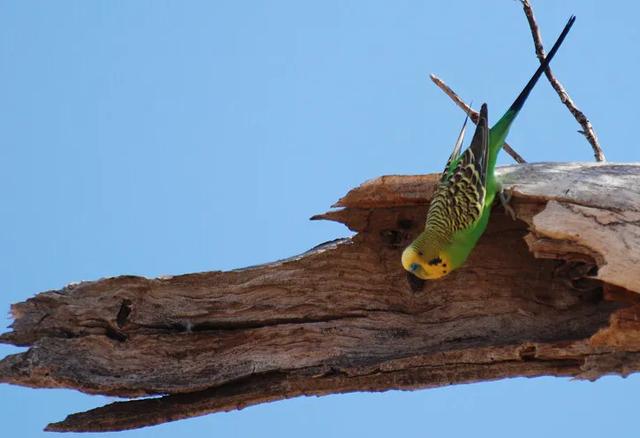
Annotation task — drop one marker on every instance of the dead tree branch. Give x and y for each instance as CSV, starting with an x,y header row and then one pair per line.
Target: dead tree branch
x,y
473,114
587,128
552,294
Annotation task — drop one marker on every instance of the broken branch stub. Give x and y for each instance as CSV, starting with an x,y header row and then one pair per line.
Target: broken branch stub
x,y
554,293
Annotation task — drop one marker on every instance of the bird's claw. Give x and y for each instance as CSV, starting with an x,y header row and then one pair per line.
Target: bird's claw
x,y
505,199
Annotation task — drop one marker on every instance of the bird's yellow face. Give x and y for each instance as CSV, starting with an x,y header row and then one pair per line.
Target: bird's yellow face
x,y
430,267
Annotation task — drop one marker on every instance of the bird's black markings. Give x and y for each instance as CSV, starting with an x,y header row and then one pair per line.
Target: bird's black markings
x,y
459,198
435,261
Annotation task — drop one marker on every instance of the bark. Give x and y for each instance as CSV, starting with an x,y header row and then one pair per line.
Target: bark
x,y
553,293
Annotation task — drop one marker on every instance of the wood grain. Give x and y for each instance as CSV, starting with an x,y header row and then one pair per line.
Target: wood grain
x,y
344,317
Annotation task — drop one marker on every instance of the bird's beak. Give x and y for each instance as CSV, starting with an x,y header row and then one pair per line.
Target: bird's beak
x,y
421,274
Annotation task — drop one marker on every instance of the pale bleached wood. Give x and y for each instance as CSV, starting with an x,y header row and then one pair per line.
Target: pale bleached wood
x,y
610,237
343,317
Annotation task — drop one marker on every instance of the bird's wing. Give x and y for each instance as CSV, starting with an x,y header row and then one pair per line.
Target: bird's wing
x,y
461,195
455,154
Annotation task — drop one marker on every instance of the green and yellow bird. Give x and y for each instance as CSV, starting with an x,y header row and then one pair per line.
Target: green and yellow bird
x,y
461,205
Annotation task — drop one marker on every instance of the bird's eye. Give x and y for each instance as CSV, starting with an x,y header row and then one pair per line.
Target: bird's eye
x,y
414,267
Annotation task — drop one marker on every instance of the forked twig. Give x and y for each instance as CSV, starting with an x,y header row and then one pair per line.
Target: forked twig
x,y
473,115
587,128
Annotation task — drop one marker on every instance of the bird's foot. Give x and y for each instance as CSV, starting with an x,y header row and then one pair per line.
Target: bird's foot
x,y
505,199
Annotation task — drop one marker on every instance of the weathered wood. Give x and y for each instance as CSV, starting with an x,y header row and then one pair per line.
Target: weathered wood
x,y
343,316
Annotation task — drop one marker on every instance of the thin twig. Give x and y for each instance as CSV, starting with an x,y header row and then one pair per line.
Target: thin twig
x,y
587,129
473,115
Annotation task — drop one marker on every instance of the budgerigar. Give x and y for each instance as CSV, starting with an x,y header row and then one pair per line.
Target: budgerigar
x,y
461,205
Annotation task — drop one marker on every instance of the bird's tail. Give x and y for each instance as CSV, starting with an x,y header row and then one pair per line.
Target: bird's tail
x,y
500,130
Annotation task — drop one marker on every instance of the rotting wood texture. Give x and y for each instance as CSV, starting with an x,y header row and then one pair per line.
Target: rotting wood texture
x,y
554,293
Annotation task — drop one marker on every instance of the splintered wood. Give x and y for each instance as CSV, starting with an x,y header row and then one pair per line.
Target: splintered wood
x,y
554,293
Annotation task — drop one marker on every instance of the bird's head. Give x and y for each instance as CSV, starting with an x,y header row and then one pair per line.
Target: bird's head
x,y
426,264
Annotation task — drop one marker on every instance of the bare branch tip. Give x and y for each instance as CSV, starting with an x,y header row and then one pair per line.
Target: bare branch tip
x,y
472,113
582,120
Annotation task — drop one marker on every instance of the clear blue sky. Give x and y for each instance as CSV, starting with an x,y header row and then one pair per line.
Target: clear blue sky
x,y
163,137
